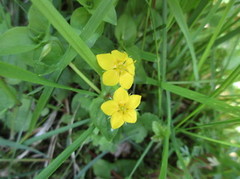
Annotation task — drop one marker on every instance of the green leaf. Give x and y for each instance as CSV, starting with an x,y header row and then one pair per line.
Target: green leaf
x,y
126,30
91,7
11,71
159,129
102,169
100,120
147,119
7,96
38,24
103,144
135,131
16,40
135,53
80,104
50,57
90,164
79,19
19,118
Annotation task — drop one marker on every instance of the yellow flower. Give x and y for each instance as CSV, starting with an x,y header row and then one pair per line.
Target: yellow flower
x,y
119,69
121,108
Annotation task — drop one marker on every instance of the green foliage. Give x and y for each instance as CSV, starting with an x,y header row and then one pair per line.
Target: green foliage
x,y
186,57
126,30
103,168
91,7
16,40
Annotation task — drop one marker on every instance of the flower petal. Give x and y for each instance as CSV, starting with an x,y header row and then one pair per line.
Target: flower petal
x,y
119,56
130,116
126,80
130,67
121,96
134,101
117,120
106,61
109,107
110,77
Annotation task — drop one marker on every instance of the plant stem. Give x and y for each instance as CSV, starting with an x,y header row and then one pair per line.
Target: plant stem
x,y
81,75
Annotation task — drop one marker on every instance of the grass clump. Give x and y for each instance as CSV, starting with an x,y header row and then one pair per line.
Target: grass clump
x,y
184,70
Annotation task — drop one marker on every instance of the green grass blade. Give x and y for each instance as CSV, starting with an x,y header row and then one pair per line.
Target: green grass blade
x,y
231,78
11,71
15,145
223,86
215,34
96,19
197,12
140,159
214,124
55,132
89,165
178,14
81,75
57,162
162,66
207,18
206,100
164,165
148,56
211,139
227,37
58,21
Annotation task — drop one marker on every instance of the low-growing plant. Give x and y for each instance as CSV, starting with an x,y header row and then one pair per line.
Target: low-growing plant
x,y
119,89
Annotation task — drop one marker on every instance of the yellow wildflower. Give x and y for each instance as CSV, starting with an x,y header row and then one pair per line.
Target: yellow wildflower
x,y
121,108
119,69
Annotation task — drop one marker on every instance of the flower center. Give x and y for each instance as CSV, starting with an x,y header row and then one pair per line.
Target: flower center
x,y
122,108
121,66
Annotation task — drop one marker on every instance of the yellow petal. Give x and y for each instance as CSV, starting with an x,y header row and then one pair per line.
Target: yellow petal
x,y
130,67
116,120
120,56
134,101
126,80
109,107
121,96
106,61
110,77
130,116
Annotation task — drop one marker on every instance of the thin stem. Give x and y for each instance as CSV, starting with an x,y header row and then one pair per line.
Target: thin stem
x,y
140,159
163,62
164,165
81,75
146,24
210,139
